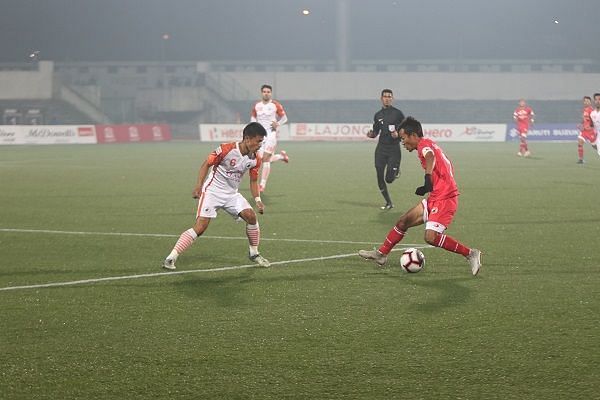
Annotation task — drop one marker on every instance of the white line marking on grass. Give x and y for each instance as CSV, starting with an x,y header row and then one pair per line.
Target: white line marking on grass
x,y
16,230
118,278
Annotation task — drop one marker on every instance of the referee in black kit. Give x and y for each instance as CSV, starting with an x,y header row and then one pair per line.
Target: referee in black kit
x,y
387,152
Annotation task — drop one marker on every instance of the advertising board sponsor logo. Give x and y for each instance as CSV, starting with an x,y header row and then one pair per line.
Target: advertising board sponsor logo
x,y
44,132
134,134
546,132
157,134
85,131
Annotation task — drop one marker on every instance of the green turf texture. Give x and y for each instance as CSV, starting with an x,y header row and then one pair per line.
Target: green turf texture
x,y
526,328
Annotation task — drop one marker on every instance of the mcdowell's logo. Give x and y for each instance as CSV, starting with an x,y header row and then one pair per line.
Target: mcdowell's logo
x,y
46,132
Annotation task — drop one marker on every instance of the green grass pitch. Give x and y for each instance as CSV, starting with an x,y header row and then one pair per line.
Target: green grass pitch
x,y
321,323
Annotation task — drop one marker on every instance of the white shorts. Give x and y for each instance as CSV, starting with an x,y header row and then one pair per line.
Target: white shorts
x,y
269,144
210,202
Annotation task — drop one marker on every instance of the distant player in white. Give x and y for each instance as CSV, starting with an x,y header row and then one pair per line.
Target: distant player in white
x,y
595,117
217,187
271,115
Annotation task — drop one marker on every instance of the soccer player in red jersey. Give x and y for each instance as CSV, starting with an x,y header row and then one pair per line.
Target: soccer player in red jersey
x,y
587,133
523,116
217,187
595,117
437,210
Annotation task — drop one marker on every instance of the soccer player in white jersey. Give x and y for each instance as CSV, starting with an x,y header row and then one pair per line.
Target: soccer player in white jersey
x,y
217,187
271,115
595,117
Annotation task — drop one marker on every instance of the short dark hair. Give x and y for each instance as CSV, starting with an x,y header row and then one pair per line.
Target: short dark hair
x,y
387,91
265,86
410,126
254,129
596,94
587,97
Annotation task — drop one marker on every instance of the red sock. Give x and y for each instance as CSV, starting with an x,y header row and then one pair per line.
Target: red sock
x,y
580,150
392,238
523,145
450,244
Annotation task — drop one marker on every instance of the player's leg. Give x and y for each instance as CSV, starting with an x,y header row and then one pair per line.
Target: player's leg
x,y
206,210
393,166
265,171
281,156
592,138
380,164
412,217
580,149
526,152
185,241
439,216
268,148
238,206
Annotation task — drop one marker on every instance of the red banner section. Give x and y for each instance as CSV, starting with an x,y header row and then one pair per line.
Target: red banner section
x,y
133,133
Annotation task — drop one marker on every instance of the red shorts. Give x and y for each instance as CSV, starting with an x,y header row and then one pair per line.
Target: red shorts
x,y
589,136
522,130
438,214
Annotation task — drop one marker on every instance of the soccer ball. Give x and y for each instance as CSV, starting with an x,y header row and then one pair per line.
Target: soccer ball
x,y
412,260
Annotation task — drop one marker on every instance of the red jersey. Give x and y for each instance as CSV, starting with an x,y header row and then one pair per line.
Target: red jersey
x,y
586,119
442,176
523,115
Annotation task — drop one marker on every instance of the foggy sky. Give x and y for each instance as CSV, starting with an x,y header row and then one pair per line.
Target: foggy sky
x,y
132,30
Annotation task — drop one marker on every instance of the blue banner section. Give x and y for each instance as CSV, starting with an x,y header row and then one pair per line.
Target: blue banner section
x,y
543,132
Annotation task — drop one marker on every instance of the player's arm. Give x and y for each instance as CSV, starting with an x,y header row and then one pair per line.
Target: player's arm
x,y
280,115
280,121
375,130
253,173
253,115
202,172
427,185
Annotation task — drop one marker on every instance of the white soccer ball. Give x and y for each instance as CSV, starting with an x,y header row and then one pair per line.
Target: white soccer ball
x,y
412,260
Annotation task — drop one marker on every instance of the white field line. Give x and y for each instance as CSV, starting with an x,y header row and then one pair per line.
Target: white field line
x,y
165,235
172,273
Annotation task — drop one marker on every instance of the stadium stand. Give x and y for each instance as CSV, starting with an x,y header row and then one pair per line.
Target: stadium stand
x,y
184,94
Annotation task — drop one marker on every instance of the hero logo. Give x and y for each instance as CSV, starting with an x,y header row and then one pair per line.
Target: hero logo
x,y
438,133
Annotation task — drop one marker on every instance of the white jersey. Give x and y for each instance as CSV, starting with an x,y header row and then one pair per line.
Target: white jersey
x,y
595,117
266,113
228,167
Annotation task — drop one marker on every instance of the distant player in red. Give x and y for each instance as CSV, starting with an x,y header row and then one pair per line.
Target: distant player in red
x,y
523,116
595,117
587,133
271,115
217,187
436,211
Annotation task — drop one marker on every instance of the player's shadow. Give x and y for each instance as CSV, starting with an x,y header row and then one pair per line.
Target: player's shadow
x,y
233,290
359,204
452,292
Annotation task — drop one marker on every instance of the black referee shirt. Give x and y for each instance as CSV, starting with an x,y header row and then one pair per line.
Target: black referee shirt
x,y
382,121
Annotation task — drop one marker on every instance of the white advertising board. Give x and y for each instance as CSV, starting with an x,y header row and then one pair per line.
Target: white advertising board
x,y
47,134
